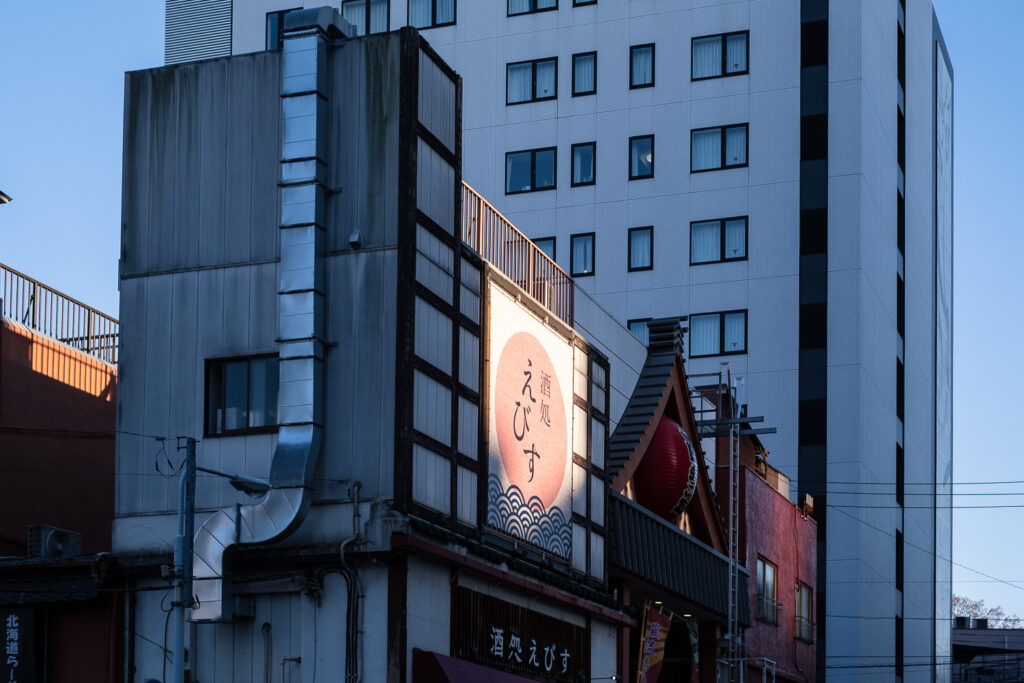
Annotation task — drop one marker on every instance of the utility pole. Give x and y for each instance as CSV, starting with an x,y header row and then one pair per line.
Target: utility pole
x,y
183,553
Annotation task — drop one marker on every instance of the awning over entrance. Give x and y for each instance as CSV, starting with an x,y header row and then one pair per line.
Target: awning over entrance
x,y
648,547
431,667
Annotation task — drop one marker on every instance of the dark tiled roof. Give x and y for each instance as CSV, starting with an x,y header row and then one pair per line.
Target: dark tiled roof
x,y
644,545
664,335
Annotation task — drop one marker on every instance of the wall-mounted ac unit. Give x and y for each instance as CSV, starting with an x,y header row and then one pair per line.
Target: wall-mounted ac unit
x,y
49,541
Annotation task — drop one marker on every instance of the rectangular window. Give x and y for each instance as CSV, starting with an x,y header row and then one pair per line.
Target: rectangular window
x,y
718,56
584,159
641,248
547,245
899,647
580,3
718,147
715,334
431,13
639,329
804,625
641,157
530,170
899,389
275,27
900,481
584,73
363,13
531,81
719,240
899,560
529,6
581,258
767,605
241,395
641,66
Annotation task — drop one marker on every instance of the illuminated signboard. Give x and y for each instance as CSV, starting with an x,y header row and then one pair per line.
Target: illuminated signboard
x,y
529,491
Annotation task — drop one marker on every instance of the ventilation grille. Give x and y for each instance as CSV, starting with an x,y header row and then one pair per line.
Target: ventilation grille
x,y
49,541
197,29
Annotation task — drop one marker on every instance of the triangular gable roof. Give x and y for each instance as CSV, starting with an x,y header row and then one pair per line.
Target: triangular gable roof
x,y
662,388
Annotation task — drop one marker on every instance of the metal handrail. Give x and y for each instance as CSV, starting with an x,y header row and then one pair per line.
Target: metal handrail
x,y
768,609
57,315
804,629
494,237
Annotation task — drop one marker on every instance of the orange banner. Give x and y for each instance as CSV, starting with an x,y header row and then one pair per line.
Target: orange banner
x,y
652,645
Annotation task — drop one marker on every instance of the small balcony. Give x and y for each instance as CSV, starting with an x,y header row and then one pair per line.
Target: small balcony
x,y
768,610
803,629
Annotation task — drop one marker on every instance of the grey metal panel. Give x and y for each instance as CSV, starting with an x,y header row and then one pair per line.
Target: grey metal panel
x,y
469,428
156,400
163,143
431,479
263,308
187,190
131,390
135,169
435,186
266,151
437,102
197,29
432,404
235,322
469,359
211,190
433,336
240,147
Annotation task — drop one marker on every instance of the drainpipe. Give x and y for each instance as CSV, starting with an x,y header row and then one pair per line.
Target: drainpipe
x,y
304,116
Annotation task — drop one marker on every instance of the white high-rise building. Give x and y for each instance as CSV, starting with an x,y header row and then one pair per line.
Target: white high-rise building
x,y
780,171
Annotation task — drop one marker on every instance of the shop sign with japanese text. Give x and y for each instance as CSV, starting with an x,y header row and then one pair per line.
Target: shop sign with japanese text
x,y
19,657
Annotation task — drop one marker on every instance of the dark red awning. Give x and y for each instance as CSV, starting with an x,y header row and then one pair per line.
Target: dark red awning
x,y
431,667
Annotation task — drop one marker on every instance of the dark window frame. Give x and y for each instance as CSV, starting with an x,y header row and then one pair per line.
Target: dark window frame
x,y
593,254
768,606
533,4
804,632
433,15
280,25
367,19
554,246
721,240
722,130
725,55
629,249
533,170
580,93
629,160
632,84
721,333
533,81
572,164
223,362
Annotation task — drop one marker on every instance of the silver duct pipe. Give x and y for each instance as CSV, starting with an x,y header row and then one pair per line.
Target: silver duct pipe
x,y
304,110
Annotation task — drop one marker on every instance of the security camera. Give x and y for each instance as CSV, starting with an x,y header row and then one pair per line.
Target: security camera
x,y
355,240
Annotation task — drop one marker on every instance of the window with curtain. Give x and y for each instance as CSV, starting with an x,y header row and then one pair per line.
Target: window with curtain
x,y
714,334
584,73
767,606
641,248
641,157
718,240
641,66
530,170
581,257
431,13
718,147
241,395
547,245
531,81
528,6
639,329
584,157
804,622
720,55
362,14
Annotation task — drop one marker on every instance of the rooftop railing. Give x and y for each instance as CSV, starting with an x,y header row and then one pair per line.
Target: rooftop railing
x,y
502,244
57,315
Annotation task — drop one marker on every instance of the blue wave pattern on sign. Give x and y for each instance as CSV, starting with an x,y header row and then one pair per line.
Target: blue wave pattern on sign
x,y
510,512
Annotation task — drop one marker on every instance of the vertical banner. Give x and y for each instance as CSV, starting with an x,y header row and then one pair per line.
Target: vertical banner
x,y
652,644
529,445
17,657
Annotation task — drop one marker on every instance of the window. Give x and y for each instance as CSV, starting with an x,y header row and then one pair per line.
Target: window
x,y
718,56
718,147
275,27
641,248
639,329
584,159
584,74
580,3
719,240
581,257
804,625
531,81
530,170
529,6
547,245
641,157
241,395
431,13
715,334
767,605
899,560
641,66
363,13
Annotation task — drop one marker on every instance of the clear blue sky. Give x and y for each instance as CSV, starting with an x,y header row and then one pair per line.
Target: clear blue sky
x,y
60,158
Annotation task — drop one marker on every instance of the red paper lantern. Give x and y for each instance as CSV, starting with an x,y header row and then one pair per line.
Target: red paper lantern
x,y
667,476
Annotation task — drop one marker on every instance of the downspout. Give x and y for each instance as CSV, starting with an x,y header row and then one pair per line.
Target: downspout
x,y
304,116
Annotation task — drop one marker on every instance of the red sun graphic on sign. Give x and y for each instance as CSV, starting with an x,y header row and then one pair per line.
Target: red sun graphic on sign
x,y
533,429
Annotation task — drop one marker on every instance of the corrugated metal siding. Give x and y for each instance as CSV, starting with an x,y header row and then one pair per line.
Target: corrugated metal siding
x,y
648,547
437,102
197,29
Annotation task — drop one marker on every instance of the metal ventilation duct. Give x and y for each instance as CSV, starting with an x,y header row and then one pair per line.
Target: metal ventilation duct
x,y
304,107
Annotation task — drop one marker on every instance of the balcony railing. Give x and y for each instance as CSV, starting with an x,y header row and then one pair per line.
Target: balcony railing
x,y
57,315
804,630
768,610
502,244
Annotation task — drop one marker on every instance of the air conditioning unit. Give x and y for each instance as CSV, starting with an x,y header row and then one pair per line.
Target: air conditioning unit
x,y
49,541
